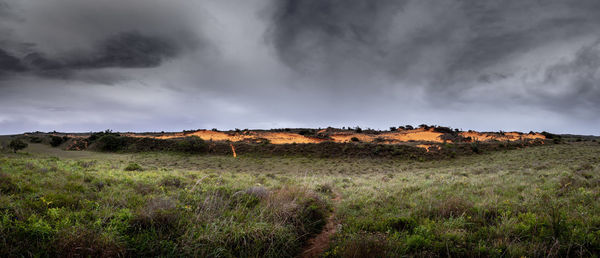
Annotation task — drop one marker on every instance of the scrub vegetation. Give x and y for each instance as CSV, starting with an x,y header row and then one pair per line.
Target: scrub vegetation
x,y
532,201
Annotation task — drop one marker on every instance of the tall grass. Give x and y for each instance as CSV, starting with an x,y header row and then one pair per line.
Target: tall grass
x,y
538,201
88,209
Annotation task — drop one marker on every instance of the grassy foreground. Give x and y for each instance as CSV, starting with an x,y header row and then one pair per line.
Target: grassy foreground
x,y
537,201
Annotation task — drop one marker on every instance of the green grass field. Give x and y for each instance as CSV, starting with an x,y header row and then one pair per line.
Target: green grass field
x,y
535,202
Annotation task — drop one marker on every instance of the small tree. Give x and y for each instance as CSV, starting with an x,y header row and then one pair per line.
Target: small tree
x,y
17,144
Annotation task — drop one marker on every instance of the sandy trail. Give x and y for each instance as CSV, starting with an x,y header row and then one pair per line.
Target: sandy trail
x,y
317,245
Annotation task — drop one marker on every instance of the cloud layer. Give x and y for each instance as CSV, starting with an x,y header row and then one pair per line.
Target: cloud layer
x,y
172,65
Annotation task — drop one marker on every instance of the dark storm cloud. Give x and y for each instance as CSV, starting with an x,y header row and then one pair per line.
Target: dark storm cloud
x,y
129,50
9,63
124,50
304,30
449,44
582,74
132,39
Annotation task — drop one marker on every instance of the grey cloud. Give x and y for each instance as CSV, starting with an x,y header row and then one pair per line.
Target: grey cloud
x,y
316,35
50,40
449,45
129,50
9,63
126,50
582,75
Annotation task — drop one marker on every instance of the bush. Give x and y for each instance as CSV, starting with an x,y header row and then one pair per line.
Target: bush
x,y
35,139
17,144
475,147
171,181
98,135
300,208
355,139
192,145
111,143
133,167
55,141
554,137
305,132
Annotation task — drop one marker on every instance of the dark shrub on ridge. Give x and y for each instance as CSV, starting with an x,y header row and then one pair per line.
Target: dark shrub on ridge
x,y
111,143
192,145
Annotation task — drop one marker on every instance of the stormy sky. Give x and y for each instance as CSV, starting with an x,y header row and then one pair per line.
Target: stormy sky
x,y
155,65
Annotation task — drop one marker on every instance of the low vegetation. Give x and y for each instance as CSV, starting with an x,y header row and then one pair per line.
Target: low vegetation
x,y
505,202
16,145
76,208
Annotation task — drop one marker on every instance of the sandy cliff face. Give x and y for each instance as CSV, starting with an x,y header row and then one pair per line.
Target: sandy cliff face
x,y
510,136
400,136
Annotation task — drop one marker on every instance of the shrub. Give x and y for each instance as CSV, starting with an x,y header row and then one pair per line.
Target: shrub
x,y
442,129
133,167
305,132
554,137
324,188
55,141
35,139
111,143
355,139
98,135
475,147
17,144
192,145
300,208
171,181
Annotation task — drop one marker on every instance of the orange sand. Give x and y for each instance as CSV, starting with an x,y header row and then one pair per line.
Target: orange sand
x,y
273,137
418,135
392,137
510,136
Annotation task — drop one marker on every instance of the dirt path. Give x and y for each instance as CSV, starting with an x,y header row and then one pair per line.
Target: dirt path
x,y
317,245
